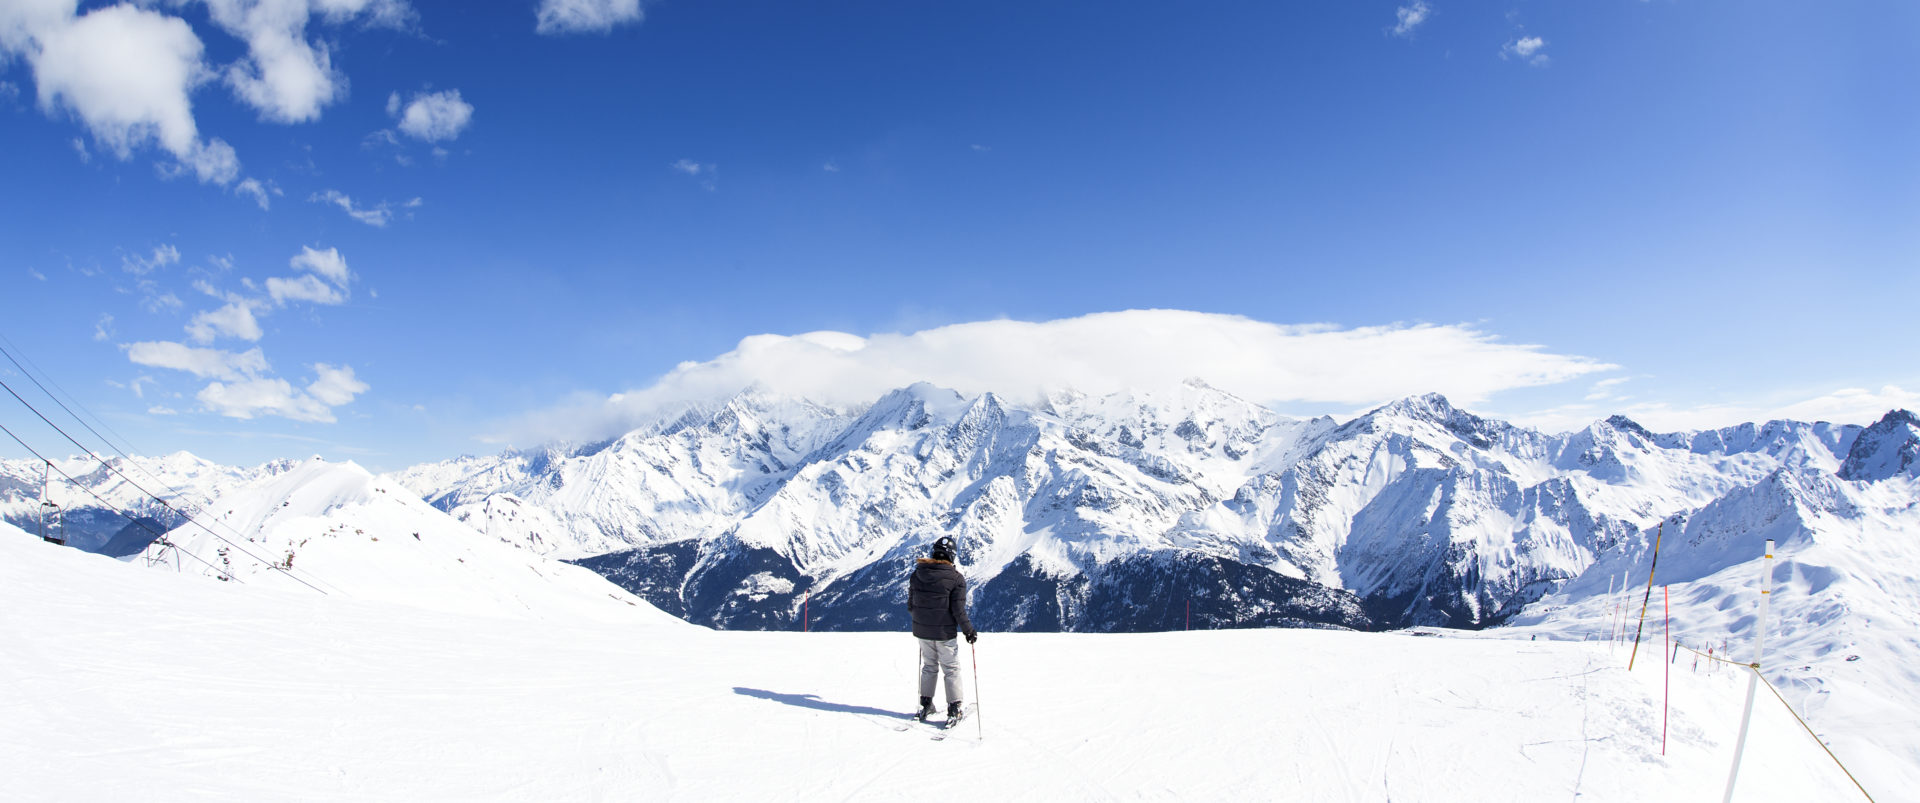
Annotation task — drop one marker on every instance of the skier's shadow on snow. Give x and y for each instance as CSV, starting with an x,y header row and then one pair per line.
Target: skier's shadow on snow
x,y
814,702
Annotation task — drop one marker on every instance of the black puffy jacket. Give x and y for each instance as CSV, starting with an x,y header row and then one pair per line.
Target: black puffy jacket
x,y
937,599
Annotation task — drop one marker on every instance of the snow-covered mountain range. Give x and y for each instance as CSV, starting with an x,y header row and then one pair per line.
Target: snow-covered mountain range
x,y
1136,511
1125,512
98,508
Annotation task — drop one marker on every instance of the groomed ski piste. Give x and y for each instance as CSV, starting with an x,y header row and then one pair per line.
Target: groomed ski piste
x,y
125,683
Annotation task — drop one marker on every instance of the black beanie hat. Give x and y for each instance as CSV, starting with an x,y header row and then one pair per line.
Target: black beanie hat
x,y
942,548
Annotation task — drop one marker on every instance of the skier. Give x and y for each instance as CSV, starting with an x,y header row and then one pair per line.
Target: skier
x,y
937,600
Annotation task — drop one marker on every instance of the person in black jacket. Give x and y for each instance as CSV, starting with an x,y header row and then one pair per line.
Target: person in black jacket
x,y
937,600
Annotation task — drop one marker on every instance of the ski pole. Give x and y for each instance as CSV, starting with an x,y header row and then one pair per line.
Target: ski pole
x,y
979,729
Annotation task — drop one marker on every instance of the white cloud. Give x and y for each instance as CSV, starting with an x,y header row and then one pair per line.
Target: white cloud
x,y
103,328
284,75
203,363
374,216
830,167
161,303
329,264
303,288
125,72
383,13
213,162
163,255
252,188
277,397
435,117
232,320
1100,353
1843,406
1603,389
335,386
36,274
1851,405
161,410
258,397
386,140
1527,48
709,174
585,16
243,385
1409,17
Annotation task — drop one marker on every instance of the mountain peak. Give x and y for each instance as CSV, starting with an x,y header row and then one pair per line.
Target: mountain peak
x,y
1428,406
1888,448
1432,408
1625,424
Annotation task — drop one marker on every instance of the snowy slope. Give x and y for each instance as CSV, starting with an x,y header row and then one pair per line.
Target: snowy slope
x,y
1841,644
157,686
346,532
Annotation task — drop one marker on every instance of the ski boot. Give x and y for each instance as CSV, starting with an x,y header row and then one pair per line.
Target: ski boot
x,y
926,709
955,710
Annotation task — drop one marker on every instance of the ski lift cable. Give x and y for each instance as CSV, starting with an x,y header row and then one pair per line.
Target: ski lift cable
x,y
124,453
9,344
163,503
190,514
158,537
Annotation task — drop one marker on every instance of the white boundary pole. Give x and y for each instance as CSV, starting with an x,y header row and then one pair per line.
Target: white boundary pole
x,y
1753,680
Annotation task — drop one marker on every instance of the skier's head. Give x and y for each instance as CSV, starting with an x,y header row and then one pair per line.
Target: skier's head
x,y
943,549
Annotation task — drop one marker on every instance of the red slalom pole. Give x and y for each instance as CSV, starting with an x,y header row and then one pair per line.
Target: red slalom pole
x,y
1666,685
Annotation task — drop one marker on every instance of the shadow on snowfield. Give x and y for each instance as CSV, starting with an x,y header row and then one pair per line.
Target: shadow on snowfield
x,y
814,702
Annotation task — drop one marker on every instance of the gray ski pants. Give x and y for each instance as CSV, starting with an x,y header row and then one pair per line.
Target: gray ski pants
x,y
940,658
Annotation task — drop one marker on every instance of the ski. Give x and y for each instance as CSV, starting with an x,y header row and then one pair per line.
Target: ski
x,y
952,722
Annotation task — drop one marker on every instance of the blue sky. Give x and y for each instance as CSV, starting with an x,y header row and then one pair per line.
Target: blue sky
x,y
450,227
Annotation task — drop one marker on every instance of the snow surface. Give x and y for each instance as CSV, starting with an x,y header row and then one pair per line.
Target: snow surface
x,y
164,686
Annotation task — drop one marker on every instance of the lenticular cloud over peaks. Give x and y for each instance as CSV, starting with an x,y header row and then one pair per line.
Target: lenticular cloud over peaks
x,y
1099,353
